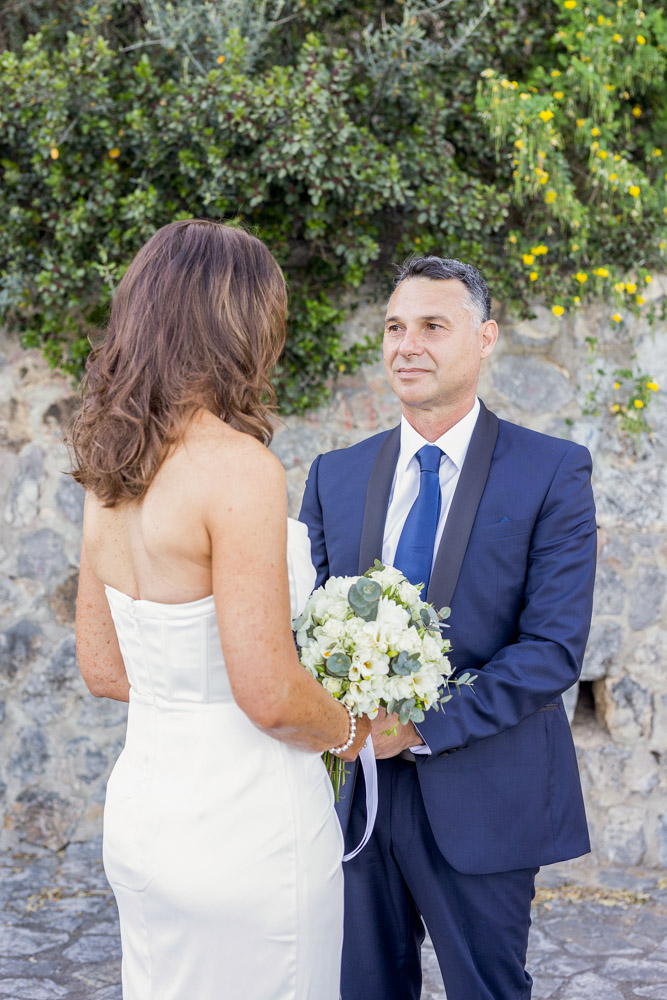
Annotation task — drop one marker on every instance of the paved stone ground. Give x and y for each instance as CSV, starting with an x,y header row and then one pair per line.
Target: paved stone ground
x,y
596,935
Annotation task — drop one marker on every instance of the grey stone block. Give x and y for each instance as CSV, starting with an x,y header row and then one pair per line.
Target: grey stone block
x,y
19,646
532,384
42,555
604,643
647,594
70,497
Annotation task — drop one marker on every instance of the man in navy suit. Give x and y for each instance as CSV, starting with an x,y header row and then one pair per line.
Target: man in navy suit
x,y
476,798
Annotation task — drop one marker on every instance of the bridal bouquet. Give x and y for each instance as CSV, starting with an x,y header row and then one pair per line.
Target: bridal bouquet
x,y
372,642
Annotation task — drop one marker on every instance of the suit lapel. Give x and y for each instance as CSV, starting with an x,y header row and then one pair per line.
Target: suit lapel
x,y
377,500
463,510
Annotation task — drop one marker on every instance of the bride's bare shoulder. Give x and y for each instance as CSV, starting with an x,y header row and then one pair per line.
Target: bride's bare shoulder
x,y
218,453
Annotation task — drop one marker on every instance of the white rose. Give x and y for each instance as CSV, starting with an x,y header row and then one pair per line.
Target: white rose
x,y
408,593
392,615
333,628
334,685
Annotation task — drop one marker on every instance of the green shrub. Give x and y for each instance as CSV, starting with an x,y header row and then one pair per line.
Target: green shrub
x,y
345,134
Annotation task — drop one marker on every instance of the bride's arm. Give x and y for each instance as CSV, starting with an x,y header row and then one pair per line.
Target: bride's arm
x,y
97,650
246,517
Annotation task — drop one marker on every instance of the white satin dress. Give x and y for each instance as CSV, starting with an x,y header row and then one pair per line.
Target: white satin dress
x,y
220,843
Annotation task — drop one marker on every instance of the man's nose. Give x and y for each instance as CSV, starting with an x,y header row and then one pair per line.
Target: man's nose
x,y
410,343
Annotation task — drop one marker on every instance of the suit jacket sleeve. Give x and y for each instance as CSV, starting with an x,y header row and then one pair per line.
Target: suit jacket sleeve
x,y
311,515
545,660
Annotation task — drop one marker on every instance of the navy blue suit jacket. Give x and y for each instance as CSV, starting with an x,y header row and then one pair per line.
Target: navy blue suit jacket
x,y
516,564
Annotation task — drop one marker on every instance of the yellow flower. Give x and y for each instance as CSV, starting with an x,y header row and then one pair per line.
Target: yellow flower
x,y
595,145
657,152
575,247
601,272
638,404
641,40
547,115
55,153
617,385
485,72
615,408
533,275
640,300
519,144
570,4
617,38
581,277
613,177
220,60
619,286
634,191
610,87
559,95
648,279
600,19
653,386
557,310
512,238
114,153
528,258
555,72
540,250
637,111
581,122
550,196
595,131
524,97
630,287
602,153
617,318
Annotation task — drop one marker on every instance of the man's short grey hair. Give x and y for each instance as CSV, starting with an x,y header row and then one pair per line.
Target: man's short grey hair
x,y
447,269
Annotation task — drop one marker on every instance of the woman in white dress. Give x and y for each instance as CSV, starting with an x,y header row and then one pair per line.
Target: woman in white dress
x,y
220,840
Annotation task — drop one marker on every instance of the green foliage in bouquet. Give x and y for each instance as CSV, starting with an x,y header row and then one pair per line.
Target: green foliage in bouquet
x,y
346,134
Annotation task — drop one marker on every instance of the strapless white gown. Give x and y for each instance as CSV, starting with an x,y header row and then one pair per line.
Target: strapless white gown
x,y
220,843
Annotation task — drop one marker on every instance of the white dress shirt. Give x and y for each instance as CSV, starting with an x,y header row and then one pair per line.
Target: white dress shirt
x,y
405,488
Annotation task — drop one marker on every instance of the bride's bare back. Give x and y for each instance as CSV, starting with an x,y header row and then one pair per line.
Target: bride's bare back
x,y
159,548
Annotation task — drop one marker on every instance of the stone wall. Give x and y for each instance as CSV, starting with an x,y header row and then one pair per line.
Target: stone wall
x,y
58,744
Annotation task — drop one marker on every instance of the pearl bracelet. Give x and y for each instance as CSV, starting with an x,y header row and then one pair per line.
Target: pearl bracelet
x,y
352,734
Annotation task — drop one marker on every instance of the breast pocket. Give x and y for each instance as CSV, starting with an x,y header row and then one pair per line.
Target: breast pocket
x,y
503,529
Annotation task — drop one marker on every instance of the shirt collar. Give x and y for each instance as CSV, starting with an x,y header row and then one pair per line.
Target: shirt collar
x,y
453,442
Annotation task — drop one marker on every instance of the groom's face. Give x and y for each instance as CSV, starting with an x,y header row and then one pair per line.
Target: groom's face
x,y
434,344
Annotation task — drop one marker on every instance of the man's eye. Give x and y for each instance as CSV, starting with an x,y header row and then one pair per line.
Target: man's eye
x,y
433,326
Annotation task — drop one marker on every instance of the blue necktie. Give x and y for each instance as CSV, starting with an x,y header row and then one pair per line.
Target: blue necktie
x,y
414,553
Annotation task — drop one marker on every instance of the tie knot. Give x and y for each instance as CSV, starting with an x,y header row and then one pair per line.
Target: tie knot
x,y
429,458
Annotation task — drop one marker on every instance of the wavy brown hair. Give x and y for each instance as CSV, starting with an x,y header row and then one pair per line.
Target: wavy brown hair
x,y
198,321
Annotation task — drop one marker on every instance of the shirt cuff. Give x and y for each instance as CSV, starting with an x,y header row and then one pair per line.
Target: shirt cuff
x,y
421,748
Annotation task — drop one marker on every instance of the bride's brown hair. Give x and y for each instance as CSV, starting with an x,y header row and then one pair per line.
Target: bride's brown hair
x,y
198,321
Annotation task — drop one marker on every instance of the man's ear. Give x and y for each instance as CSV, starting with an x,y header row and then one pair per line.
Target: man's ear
x,y
489,336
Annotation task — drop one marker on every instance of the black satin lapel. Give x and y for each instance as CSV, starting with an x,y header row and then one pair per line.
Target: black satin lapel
x,y
377,500
463,510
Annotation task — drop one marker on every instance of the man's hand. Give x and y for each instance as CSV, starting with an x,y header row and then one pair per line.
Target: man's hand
x,y
390,746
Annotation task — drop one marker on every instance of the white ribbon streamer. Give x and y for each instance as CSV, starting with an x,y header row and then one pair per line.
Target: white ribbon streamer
x,y
367,760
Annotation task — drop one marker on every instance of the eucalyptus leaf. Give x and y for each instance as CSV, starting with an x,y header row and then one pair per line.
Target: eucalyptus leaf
x,y
401,664
445,613
417,715
338,665
406,708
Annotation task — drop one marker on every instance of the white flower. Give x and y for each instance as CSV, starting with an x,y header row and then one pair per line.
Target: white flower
x,y
391,615
332,628
409,594
389,576
334,685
